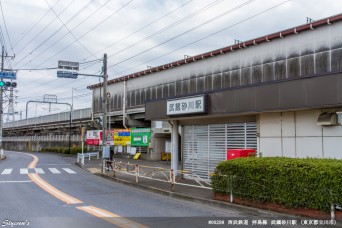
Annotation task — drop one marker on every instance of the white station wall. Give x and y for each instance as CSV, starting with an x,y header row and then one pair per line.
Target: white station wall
x,y
296,134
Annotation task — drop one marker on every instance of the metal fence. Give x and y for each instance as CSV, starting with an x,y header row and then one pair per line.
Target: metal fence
x,y
156,174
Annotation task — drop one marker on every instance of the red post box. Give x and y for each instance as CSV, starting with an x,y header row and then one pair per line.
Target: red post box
x,y
237,153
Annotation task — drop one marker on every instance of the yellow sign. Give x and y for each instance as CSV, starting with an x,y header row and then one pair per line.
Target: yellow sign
x,y
122,137
136,156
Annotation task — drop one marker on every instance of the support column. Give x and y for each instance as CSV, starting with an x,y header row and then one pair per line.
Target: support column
x,y
174,154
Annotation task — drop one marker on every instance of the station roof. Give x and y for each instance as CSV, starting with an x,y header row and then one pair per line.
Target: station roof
x,y
235,47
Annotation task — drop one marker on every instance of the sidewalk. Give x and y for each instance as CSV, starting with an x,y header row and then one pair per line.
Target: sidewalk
x,y
185,192
194,194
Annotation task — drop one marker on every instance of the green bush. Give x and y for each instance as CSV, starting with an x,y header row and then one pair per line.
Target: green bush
x,y
294,183
64,150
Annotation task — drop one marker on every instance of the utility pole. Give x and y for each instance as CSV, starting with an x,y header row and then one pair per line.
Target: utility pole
x,y
104,97
1,101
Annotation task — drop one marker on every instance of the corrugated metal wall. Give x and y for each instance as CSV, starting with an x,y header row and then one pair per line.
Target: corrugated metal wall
x,y
204,146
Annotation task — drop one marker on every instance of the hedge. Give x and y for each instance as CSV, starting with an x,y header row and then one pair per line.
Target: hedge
x,y
64,150
291,182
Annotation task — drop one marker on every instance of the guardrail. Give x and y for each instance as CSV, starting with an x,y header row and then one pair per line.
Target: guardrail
x,y
156,174
81,156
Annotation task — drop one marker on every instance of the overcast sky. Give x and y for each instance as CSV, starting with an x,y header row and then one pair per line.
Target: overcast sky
x,y
134,33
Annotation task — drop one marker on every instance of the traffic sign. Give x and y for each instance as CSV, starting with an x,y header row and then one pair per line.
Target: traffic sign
x,y
8,75
67,74
67,65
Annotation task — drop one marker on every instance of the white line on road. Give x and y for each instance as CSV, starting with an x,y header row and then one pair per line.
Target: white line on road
x,y
69,170
39,170
23,171
54,171
27,181
52,164
7,171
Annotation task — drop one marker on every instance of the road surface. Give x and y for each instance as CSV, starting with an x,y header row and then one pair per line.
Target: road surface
x,y
46,190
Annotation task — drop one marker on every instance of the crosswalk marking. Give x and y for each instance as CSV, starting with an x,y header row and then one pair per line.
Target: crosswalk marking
x,y
39,170
69,170
23,171
54,171
7,171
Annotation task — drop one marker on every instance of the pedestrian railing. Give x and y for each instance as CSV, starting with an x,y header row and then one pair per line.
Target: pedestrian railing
x,y
178,177
81,156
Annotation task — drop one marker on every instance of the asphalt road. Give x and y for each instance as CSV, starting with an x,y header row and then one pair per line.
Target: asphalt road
x,y
56,193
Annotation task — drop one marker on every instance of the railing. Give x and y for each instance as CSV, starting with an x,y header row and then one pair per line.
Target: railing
x,y
156,174
42,138
82,156
63,116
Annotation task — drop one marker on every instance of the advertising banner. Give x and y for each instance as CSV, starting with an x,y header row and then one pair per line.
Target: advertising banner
x,y
122,137
94,137
140,136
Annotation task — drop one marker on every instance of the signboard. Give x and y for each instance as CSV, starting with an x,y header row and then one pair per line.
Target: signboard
x,y
106,152
82,133
67,74
94,137
8,75
110,138
188,105
122,137
140,136
67,65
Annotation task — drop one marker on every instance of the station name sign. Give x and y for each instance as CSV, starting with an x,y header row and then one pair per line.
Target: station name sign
x,y
189,105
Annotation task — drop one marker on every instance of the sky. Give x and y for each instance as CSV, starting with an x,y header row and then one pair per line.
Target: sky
x,y
135,34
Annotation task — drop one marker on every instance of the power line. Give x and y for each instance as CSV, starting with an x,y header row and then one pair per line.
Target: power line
x,y
64,24
122,7
145,26
3,17
166,28
187,31
34,25
65,8
63,36
196,41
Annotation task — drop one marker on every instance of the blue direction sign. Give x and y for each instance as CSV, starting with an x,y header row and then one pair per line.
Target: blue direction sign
x,y
8,75
67,74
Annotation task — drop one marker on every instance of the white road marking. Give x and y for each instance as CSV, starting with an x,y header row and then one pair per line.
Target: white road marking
x,y
27,181
23,171
52,164
7,171
69,171
39,170
54,171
